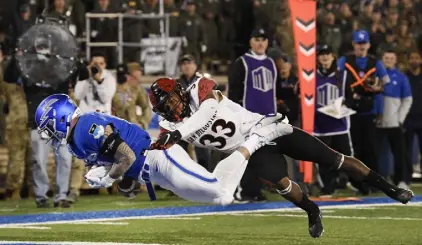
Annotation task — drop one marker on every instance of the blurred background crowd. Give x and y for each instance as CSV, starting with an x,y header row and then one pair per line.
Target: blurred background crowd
x,y
214,34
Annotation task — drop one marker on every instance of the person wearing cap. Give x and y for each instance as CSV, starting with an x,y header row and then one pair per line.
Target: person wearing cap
x,y
130,94
364,77
397,102
189,74
333,132
252,84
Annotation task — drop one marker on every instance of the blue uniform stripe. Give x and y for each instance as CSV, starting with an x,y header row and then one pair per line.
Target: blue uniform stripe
x,y
188,171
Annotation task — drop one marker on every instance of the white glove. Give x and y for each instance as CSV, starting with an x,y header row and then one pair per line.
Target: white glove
x,y
106,181
95,174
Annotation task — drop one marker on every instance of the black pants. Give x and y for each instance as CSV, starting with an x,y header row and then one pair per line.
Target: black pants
x,y
395,137
409,135
269,164
363,131
341,143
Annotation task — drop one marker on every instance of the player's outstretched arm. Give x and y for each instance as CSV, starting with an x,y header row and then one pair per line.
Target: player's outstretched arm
x,y
123,155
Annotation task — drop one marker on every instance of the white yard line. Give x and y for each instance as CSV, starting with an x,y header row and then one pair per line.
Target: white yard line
x,y
28,227
333,217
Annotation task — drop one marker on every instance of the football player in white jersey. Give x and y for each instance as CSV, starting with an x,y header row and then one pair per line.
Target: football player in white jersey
x,y
206,118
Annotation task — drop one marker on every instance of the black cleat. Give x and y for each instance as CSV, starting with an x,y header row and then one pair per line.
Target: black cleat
x,y
315,224
403,195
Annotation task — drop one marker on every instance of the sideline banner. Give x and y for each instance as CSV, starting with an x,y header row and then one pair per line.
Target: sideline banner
x,y
303,13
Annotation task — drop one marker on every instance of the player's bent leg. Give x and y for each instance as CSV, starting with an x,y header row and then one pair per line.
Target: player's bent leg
x,y
302,146
271,167
174,170
292,192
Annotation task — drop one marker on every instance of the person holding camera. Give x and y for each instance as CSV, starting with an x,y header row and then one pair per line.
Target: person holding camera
x,y
96,92
130,95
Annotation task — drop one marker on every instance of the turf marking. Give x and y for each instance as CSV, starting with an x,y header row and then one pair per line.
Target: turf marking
x,y
72,243
190,211
334,217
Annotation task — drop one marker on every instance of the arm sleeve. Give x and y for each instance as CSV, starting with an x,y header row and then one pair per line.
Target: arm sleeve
x,y
81,89
382,73
207,109
406,99
340,64
236,82
379,104
107,88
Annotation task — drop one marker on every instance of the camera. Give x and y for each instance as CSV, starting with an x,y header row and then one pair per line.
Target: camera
x,y
94,69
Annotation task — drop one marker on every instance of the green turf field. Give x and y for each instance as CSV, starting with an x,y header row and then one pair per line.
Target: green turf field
x,y
390,224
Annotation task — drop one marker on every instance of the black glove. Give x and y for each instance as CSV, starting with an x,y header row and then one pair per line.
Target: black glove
x,y
6,108
166,140
282,108
128,187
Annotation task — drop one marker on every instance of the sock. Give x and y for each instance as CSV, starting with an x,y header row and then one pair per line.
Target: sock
x,y
230,170
250,144
294,194
379,182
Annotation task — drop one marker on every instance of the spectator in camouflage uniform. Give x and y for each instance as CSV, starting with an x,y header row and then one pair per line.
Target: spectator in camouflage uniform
x,y
130,94
17,138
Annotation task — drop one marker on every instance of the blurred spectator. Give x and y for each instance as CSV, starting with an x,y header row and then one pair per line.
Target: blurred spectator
x,y
267,16
58,8
226,29
365,20
213,43
189,75
104,30
22,23
397,102
405,42
129,95
96,93
152,26
333,132
286,86
392,19
77,12
390,43
192,27
413,121
133,30
330,32
171,8
364,77
39,144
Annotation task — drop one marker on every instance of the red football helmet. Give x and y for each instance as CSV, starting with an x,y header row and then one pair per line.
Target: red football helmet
x,y
160,92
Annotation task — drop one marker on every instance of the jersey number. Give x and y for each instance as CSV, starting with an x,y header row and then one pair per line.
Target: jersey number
x,y
221,140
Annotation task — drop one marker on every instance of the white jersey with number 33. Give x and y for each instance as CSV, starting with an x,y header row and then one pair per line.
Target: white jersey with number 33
x,y
226,130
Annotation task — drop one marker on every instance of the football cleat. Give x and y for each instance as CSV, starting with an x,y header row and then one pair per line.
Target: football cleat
x,y
404,195
315,224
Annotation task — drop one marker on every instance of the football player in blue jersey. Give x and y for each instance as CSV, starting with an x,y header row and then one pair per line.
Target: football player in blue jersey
x,y
115,148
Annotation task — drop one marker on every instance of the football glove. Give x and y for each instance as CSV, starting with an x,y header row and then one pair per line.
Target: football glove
x,y
166,140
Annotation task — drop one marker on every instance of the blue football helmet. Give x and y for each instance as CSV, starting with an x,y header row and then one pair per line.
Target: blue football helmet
x,y
54,116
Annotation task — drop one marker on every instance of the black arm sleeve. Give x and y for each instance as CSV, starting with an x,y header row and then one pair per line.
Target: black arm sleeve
x,y
111,143
236,81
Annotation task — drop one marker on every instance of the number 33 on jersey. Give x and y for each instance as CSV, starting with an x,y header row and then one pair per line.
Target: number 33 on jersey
x,y
225,130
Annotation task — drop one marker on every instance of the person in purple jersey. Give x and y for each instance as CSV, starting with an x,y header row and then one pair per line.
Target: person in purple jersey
x,y
333,132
